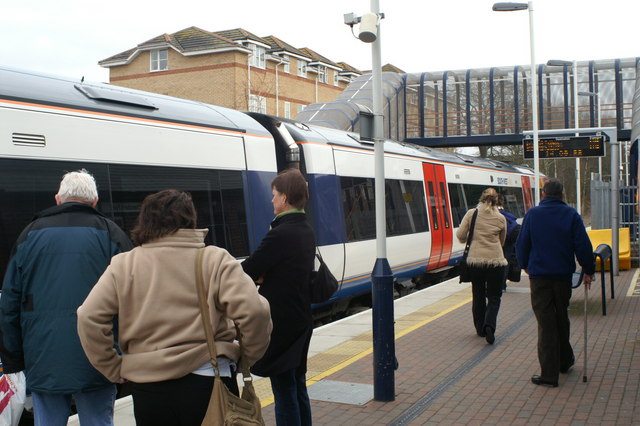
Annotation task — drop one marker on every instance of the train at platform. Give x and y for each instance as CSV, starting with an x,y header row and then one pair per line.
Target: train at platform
x,y
136,143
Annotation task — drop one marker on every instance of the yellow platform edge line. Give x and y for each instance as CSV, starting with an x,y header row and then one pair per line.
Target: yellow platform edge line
x,y
268,401
633,284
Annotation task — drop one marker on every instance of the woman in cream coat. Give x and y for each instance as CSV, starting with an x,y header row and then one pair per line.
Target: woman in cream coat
x,y
486,261
152,291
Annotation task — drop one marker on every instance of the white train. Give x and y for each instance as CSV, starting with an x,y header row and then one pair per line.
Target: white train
x,y
136,143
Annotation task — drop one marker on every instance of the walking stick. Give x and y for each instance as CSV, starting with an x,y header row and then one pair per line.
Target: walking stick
x,y
586,296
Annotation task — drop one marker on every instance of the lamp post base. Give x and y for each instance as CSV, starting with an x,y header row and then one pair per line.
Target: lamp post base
x,y
384,360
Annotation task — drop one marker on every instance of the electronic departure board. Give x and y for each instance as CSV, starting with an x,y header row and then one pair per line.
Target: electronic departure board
x,y
566,147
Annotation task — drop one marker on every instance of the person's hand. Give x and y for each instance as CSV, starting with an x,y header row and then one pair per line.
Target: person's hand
x,y
587,279
260,280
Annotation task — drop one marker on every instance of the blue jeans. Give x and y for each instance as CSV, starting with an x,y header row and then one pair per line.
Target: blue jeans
x,y
95,408
291,398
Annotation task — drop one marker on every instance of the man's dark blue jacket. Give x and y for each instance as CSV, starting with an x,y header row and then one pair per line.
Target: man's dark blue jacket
x,y
57,260
551,238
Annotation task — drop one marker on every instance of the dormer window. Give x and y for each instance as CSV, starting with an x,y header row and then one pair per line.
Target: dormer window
x,y
159,60
322,74
257,58
302,68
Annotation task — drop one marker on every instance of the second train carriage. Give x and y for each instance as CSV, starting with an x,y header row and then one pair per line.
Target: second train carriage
x,y
136,143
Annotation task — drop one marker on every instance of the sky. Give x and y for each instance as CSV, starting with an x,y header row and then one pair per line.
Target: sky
x,y
69,37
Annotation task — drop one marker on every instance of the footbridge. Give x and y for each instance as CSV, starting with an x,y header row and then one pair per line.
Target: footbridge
x,y
490,106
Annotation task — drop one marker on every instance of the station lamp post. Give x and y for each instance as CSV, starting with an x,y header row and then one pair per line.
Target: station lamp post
x,y
511,7
574,65
597,96
384,359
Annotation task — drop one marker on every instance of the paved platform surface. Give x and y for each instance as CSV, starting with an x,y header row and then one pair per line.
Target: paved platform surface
x,y
449,375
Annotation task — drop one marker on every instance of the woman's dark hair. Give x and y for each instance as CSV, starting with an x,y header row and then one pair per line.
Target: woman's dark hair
x,y
291,183
163,213
489,196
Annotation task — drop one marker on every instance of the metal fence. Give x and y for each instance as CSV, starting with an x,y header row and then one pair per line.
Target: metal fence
x,y
601,211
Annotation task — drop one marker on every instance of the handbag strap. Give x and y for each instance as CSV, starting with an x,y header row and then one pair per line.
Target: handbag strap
x,y
208,328
470,237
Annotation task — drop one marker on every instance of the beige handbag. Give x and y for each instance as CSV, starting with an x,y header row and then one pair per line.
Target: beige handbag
x,y
225,408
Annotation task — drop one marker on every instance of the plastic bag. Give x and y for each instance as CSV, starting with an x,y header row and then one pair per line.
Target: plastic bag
x,y
13,388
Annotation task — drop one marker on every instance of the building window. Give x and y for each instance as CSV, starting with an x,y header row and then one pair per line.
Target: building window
x,y
258,104
159,60
287,63
300,108
287,110
257,56
302,68
336,78
322,74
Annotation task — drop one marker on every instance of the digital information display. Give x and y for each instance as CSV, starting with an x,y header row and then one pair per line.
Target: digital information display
x,y
566,147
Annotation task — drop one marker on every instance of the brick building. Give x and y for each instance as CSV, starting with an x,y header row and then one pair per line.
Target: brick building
x,y
232,68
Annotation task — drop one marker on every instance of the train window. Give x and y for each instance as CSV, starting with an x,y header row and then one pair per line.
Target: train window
x,y
28,186
359,208
458,203
445,207
405,207
513,201
217,195
473,193
433,205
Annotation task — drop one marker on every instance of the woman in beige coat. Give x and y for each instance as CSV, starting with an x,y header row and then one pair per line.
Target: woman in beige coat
x,y
486,261
152,291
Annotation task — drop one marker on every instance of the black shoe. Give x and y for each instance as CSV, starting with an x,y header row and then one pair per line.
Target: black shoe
x,y
565,370
537,380
488,331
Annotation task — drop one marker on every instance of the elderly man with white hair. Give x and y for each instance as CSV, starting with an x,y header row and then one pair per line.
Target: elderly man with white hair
x,y
55,263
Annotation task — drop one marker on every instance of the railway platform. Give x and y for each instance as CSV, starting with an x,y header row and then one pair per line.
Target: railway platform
x,y
449,375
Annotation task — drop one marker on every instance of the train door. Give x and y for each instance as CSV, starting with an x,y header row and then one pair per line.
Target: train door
x,y
439,215
526,192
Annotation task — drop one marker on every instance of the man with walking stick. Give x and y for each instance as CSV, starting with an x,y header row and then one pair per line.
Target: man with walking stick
x,y
552,237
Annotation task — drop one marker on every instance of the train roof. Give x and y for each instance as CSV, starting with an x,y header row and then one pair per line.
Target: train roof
x,y
26,86
304,132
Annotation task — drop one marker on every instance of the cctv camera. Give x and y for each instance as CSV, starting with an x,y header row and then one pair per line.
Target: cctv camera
x,y
368,28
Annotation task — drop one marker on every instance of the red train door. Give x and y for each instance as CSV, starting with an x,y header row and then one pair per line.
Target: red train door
x,y
526,192
439,215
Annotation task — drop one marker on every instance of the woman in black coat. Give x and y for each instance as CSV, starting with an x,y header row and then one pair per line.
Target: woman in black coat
x,y
282,266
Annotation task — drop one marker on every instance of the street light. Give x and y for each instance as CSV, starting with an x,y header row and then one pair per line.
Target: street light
x,y
574,65
510,7
597,96
384,359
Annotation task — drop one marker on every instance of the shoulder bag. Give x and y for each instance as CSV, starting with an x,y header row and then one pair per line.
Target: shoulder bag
x,y
225,408
465,273
323,283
